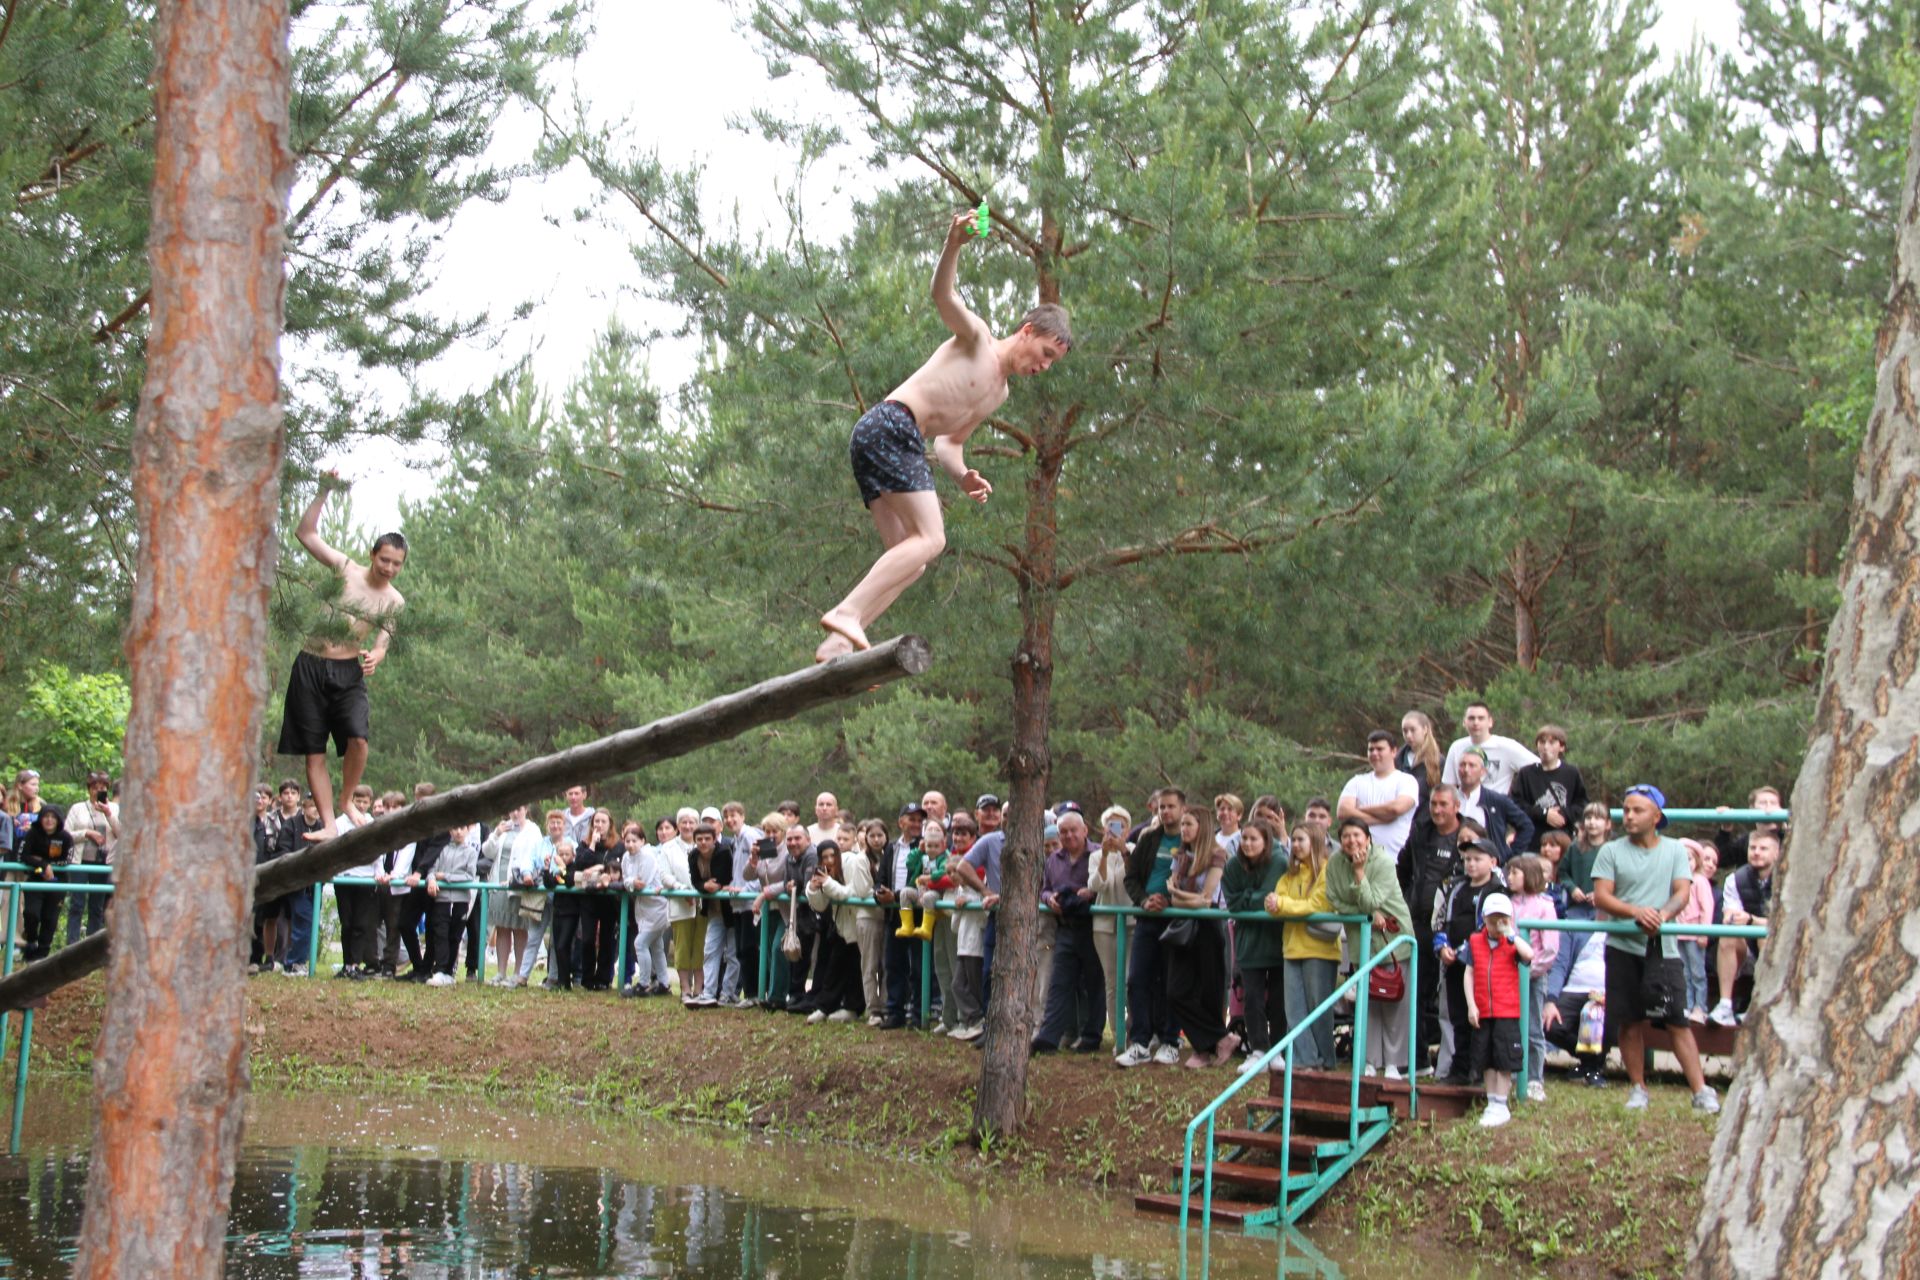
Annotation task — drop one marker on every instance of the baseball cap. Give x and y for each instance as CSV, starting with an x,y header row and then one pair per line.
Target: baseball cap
x,y
1051,833
1065,807
1497,904
1647,791
987,801
912,806
709,814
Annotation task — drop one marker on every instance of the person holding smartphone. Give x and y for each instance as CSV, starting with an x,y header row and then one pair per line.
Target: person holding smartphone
x,y
95,828
1107,877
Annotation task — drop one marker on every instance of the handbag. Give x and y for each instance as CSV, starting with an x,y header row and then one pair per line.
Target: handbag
x,y
790,941
1325,930
1387,982
1183,932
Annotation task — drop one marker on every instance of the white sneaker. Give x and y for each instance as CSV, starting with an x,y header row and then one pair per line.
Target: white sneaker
x,y
1495,1115
1393,1073
440,980
840,1015
817,1016
1134,1055
1369,1070
1723,1015
1708,1101
1637,1098
875,1019
1536,1091
1167,1055
971,1031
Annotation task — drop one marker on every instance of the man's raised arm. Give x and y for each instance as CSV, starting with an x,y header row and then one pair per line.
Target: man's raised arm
x,y
966,326
309,528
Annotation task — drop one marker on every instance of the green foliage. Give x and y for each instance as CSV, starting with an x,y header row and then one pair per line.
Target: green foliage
x,y
394,104
1426,350
67,724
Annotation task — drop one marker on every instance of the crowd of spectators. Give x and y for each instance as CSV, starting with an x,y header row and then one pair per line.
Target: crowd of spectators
x,y
1467,853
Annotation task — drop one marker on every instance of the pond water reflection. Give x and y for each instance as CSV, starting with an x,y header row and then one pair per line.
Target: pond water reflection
x,y
347,1187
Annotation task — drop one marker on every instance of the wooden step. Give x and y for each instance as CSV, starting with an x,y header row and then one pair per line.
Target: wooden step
x,y
1302,1147
1437,1101
1305,1109
1224,1210
1263,1177
1323,1086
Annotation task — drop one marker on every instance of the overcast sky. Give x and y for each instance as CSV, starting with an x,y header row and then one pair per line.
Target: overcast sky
x,y
680,73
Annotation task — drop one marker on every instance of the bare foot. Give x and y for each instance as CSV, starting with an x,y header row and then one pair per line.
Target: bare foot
x,y
834,646
846,625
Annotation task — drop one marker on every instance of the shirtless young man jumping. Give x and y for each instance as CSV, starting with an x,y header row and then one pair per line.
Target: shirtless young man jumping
x,y
327,692
944,401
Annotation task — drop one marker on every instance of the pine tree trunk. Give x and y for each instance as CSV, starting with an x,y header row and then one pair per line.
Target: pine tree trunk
x,y
1000,1102
1813,1162
170,1070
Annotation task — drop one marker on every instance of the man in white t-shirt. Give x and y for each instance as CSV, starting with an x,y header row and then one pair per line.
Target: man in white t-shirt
x,y
1384,798
1505,757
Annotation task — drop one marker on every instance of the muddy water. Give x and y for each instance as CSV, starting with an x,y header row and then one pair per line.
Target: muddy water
x,y
422,1186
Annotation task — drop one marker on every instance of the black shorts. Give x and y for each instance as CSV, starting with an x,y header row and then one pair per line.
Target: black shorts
x,y
1644,989
1496,1046
888,452
326,698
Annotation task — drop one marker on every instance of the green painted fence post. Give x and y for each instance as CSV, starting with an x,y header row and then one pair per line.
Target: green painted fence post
x,y
482,895
1122,925
313,934
20,1081
620,956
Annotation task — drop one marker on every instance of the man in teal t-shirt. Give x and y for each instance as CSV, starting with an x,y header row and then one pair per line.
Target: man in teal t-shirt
x,y
1644,877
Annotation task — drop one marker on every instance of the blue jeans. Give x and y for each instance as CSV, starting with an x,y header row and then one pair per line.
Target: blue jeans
x,y
722,956
1693,958
1149,1011
1308,983
300,937
903,975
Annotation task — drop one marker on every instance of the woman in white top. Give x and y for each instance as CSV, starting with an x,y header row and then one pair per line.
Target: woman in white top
x,y
514,840
1107,877
644,871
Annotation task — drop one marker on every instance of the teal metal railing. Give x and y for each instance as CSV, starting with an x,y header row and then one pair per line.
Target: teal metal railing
x,y
1355,986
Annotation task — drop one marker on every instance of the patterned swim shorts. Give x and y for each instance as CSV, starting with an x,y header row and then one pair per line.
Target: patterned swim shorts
x,y
889,454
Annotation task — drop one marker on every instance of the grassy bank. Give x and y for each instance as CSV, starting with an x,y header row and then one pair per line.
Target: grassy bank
x,y
1575,1187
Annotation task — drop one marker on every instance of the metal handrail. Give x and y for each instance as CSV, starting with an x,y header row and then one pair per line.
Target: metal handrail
x,y
1285,1046
1737,817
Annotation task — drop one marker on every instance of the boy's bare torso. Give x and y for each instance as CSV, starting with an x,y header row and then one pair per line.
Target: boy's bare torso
x,y
364,605
957,388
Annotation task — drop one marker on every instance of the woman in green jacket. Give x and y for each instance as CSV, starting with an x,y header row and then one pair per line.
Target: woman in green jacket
x,y
1363,880
1257,945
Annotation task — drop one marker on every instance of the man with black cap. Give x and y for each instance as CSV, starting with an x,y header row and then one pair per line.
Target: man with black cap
x,y
986,812
1645,877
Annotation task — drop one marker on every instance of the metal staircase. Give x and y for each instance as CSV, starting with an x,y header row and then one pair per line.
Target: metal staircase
x,y
1317,1149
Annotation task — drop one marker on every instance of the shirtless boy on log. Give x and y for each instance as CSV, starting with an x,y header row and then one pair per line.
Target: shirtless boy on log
x,y
944,401
327,692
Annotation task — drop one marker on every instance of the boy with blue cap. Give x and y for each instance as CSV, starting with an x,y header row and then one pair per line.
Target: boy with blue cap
x,y
1645,877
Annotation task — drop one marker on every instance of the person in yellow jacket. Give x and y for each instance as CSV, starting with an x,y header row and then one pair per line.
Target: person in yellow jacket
x,y
1312,951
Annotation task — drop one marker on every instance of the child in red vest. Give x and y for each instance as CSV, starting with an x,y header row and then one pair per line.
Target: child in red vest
x,y
1492,960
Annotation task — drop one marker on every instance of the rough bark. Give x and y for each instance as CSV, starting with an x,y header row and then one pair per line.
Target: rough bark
x,y
714,721
170,1071
1001,1100
1814,1163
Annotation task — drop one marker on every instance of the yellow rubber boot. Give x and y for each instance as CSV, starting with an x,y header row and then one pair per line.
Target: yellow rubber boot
x,y
927,917
906,924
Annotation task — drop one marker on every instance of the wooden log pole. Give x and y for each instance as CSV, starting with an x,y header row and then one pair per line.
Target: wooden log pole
x,y
170,1067
716,721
